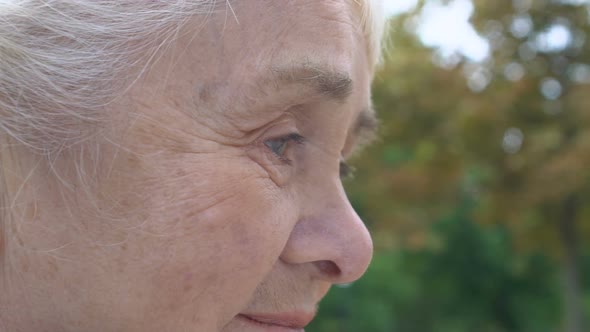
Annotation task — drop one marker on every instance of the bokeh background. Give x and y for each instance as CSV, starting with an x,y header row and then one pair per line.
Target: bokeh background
x,y
478,191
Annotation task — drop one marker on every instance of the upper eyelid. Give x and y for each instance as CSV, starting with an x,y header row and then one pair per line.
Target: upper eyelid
x,y
295,137
280,128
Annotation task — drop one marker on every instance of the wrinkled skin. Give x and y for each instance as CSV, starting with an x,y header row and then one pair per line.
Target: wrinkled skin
x,y
209,203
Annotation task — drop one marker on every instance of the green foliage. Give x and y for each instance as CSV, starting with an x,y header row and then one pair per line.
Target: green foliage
x,y
586,282
471,282
515,146
440,138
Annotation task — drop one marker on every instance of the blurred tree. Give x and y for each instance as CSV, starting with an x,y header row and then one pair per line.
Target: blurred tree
x,y
539,47
511,133
469,283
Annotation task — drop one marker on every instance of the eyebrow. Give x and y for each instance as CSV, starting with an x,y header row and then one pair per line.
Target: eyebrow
x,y
332,84
337,85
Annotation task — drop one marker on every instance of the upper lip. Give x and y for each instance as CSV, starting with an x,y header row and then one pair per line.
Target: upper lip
x,y
293,320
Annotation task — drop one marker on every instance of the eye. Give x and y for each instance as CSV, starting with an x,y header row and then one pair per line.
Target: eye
x,y
346,171
278,146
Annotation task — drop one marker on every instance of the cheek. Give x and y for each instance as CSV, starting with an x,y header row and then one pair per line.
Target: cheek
x,y
211,228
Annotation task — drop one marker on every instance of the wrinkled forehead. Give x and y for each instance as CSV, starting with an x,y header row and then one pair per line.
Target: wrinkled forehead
x,y
330,28
265,55
255,37
248,25
286,22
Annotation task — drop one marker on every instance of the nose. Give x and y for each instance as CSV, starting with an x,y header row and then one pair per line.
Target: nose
x,y
332,238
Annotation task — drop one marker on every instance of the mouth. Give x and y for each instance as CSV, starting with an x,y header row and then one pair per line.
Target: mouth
x,y
278,322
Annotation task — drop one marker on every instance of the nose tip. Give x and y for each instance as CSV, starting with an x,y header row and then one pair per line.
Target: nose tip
x,y
335,240
357,252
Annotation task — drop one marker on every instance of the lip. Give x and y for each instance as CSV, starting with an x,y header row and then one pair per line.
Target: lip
x,y
278,322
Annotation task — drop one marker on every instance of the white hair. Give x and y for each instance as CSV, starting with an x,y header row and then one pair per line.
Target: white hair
x,y
62,61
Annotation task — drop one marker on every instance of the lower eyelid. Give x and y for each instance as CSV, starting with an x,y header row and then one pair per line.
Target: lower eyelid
x,y
278,171
297,138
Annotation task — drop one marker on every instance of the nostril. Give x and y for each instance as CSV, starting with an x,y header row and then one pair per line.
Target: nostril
x,y
329,269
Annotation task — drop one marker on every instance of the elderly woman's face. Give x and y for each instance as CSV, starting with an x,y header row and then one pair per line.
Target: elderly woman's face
x,y
220,206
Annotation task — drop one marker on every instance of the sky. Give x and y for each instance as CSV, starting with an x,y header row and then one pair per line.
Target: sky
x,y
445,27
399,6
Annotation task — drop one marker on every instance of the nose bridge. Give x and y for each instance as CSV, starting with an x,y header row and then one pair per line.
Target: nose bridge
x,y
331,232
